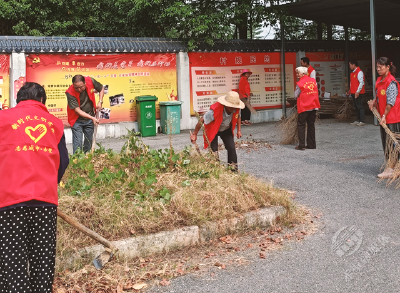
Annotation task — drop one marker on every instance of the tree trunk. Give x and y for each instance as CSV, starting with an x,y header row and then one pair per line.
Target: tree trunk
x,y
242,17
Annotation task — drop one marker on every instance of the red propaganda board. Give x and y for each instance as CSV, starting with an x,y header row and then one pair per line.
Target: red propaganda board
x,y
214,74
123,76
330,72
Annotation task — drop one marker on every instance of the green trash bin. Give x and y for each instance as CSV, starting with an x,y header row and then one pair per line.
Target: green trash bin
x,y
170,117
146,115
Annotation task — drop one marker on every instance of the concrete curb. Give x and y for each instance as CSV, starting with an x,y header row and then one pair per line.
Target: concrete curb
x,y
169,240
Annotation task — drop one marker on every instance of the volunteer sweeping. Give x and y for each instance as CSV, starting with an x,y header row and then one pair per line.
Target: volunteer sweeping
x,y
221,121
387,103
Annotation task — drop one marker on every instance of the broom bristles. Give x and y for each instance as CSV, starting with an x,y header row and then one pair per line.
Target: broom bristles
x,y
392,150
288,127
345,112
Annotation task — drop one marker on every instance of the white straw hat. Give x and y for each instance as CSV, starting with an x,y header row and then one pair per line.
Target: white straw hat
x,y
231,99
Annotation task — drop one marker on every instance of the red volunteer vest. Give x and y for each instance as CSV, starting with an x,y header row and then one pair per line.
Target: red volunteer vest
x,y
244,88
212,128
354,83
72,116
310,70
394,114
308,99
29,138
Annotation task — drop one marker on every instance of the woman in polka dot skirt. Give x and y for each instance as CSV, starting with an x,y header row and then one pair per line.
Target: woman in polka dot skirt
x,y
34,158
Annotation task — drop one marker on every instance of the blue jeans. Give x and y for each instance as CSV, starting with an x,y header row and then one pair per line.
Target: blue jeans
x,y
85,129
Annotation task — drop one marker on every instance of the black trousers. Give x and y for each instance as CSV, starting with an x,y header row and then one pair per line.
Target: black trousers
x,y
307,117
359,107
227,138
27,249
245,113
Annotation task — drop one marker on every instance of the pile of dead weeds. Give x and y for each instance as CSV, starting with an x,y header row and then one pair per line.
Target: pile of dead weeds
x,y
140,191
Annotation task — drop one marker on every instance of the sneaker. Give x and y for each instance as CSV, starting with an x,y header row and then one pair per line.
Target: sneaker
x,y
299,148
360,124
355,123
388,173
247,122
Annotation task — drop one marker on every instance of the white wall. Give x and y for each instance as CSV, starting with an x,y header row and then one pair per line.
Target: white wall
x,y
18,69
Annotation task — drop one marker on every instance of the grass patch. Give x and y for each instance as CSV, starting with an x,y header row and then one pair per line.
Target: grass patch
x,y
140,191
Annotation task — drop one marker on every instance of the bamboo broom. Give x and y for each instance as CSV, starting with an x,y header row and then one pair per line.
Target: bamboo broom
x,y
345,111
392,150
387,130
288,127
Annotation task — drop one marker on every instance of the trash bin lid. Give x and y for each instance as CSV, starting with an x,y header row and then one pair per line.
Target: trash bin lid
x,y
146,98
170,103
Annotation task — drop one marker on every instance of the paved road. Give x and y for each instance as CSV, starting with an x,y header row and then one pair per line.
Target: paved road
x,y
338,179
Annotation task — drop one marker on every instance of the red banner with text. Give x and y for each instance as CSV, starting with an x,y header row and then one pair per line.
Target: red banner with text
x,y
214,74
123,76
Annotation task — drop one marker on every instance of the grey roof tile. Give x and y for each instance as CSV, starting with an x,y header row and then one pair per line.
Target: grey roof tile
x,y
26,44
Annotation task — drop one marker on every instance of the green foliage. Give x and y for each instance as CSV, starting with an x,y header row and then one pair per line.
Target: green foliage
x,y
133,171
193,20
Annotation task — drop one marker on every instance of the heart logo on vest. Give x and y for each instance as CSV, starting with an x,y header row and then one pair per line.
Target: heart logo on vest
x,y
41,128
311,87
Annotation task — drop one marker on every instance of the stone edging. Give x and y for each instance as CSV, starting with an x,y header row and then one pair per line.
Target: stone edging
x,y
187,236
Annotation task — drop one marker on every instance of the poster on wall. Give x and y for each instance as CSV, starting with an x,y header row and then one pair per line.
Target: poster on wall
x,y
4,81
330,72
123,76
214,74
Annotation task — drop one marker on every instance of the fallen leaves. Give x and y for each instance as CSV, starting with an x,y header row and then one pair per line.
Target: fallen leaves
x,y
139,286
228,250
226,239
180,271
249,145
220,265
120,288
165,282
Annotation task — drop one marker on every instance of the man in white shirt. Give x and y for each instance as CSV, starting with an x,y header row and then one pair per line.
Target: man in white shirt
x,y
305,62
357,90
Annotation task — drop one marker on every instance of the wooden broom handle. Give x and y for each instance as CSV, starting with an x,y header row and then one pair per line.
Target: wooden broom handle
x,y
86,230
95,132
